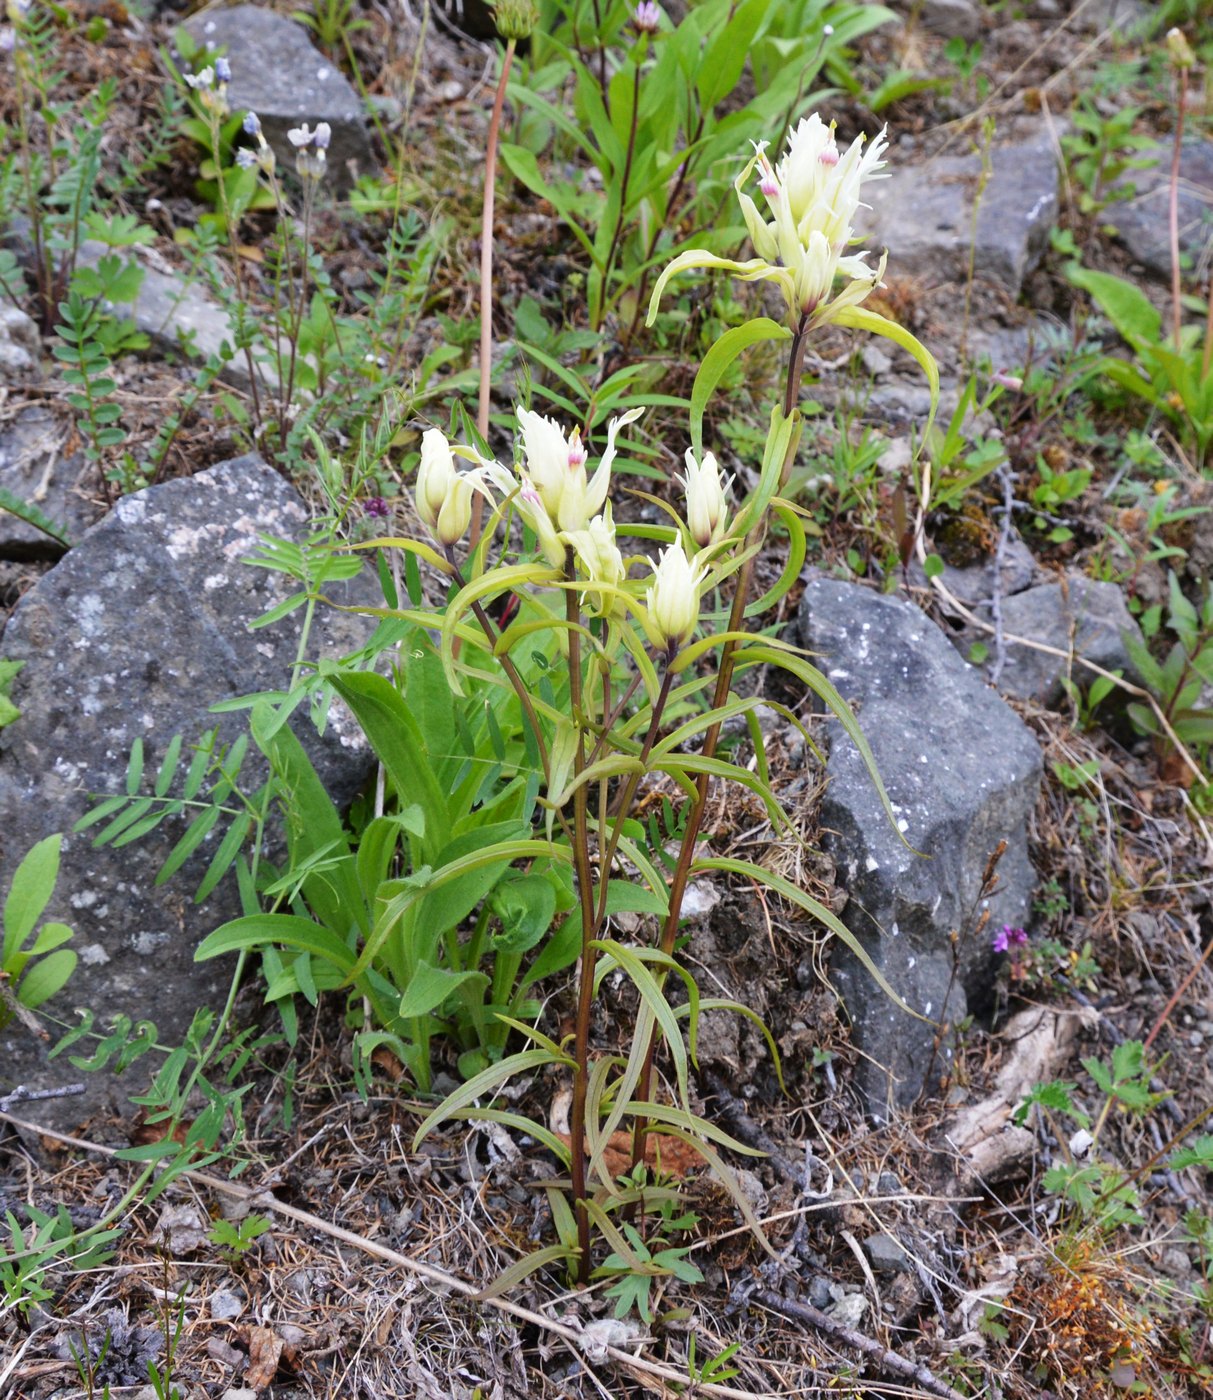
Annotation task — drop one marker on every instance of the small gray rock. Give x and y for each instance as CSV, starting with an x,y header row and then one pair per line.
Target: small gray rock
x,y
962,772
1079,614
34,469
886,1256
924,213
1142,223
226,1305
20,347
277,73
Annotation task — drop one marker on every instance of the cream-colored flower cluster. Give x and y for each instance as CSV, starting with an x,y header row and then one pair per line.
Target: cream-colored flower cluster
x,y
812,198
567,509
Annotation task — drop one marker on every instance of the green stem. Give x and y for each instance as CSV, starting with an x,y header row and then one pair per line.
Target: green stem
x,y
624,806
623,188
237,274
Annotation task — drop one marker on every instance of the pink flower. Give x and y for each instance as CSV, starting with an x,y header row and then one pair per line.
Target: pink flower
x,y
1009,937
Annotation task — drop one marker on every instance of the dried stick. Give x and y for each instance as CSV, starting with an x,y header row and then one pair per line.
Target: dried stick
x,y
867,1346
23,1094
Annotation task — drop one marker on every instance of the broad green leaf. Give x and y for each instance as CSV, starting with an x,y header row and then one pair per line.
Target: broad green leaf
x,y
430,986
717,361
45,977
1135,317
30,892
255,930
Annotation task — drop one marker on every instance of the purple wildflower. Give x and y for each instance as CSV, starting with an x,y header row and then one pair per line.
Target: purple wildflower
x,y
377,506
1009,937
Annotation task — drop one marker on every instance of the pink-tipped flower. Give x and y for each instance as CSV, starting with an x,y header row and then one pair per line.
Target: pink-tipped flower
x,y
801,244
646,18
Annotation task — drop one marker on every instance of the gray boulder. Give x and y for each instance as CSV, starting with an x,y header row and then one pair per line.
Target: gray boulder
x,y
962,772
277,73
1077,616
134,634
63,488
1143,223
923,213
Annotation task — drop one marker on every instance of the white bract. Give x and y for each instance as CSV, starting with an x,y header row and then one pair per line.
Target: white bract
x,y
707,499
556,466
672,599
600,557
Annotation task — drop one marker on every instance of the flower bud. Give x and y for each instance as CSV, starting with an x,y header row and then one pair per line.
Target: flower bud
x,y
672,599
435,477
515,19
1179,50
456,513
707,506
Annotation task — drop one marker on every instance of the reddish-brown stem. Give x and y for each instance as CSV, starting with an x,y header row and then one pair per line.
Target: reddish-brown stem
x,y
585,892
724,680
624,805
486,271
1176,994
623,189
1176,309
511,671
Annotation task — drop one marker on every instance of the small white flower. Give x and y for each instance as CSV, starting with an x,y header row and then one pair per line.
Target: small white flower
x,y
201,81
322,136
300,136
812,197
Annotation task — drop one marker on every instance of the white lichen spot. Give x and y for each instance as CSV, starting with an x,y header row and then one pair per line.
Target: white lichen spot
x,y
871,864
323,74
214,581
902,825
926,1010
146,942
94,955
90,614
84,899
69,772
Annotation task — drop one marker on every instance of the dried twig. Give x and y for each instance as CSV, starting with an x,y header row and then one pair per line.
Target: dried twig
x,y
856,1341
23,1094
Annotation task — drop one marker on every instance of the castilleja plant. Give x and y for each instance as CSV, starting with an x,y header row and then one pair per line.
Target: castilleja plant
x,y
627,629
